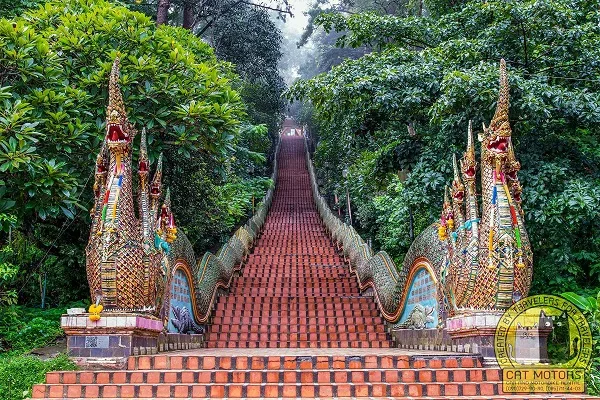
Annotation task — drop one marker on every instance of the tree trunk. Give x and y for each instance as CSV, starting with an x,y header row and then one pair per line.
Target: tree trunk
x,y
188,15
163,11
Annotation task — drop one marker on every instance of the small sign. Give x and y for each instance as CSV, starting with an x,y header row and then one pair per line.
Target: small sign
x,y
519,340
96,342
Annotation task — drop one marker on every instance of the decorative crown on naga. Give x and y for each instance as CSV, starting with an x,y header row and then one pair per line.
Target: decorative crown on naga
x,y
488,260
127,264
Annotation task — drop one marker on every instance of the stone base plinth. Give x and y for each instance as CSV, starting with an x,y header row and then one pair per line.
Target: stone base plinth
x,y
108,342
422,339
473,332
179,341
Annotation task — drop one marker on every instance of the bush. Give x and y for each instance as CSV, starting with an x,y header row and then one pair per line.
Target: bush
x,y
24,329
18,374
54,66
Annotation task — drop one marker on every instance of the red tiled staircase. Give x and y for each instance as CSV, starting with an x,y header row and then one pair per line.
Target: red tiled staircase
x,y
294,295
294,290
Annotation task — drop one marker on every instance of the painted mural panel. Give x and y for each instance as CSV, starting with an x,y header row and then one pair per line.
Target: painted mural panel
x,y
421,309
181,317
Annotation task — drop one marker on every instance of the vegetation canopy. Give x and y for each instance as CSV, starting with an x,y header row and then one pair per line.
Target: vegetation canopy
x,y
54,66
435,73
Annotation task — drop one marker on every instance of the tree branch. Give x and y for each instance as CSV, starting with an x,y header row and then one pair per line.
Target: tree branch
x,y
279,10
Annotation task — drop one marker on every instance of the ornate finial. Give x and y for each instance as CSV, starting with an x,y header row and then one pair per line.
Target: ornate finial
x,y
470,142
143,143
500,124
469,163
115,98
155,187
446,196
118,130
167,201
143,160
458,189
455,168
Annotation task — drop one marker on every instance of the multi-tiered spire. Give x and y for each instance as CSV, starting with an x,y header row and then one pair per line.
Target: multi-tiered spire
x,y
491,258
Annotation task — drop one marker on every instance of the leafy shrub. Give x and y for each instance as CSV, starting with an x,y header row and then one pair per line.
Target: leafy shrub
x,y
590,306
36,333
54,66
18,374
24,329
437,72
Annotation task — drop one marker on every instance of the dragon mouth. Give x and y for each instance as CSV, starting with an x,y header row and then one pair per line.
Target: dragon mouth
x,y
469,172
143,168
512,175
459,196
499,145
116,136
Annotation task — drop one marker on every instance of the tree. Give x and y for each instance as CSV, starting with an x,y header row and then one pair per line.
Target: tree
x,y
201,15
250,40
437,72
54,65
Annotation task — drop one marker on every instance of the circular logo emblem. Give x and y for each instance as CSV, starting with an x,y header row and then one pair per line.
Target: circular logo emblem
x,y
543,339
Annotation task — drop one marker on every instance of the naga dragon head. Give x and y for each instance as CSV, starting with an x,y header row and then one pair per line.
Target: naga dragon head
x,y
155,186
468,163
143,163
119,132
497,137
458,189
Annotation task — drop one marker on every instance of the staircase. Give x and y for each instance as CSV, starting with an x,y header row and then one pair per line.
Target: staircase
x,y
295,290
292,325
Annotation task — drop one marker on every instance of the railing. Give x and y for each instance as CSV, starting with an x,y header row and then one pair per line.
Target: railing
x,y
377,271
215,271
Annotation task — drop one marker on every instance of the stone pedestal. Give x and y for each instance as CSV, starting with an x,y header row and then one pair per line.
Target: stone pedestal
x,y
108,342
474,332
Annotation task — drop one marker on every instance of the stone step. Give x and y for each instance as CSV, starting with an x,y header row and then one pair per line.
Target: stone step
x,y
282,344
302,362
216,334
358,320
298,328
268,390
296,314
275,376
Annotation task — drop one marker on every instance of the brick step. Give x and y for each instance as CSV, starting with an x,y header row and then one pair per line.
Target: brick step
x,y
299,300
267,275
227,313
275,376
314,272
294,307
496,397
378,344
269,390
314,292
297,328
280,287
300,281
245,320
312,362
216,334
283,247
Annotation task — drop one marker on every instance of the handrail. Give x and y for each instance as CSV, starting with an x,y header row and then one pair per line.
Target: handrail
x,y
375,270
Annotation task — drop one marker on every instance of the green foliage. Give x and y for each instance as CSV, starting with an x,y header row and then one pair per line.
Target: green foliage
x,y
23,329
435,73
54,66
238,199
248,38
590,305
18,374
